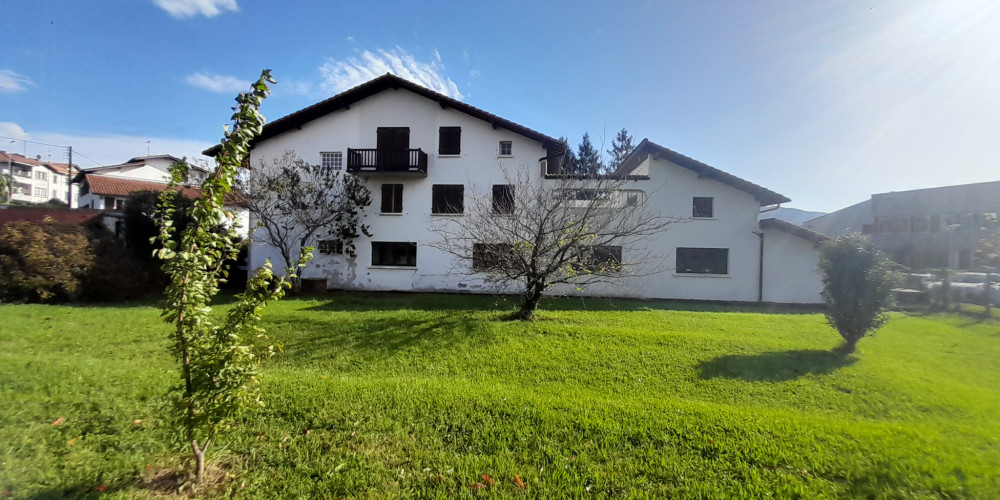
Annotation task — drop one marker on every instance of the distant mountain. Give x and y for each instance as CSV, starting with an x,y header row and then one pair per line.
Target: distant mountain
x,y
793,215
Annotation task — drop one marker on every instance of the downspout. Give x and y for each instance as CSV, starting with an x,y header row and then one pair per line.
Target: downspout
x,y
760,269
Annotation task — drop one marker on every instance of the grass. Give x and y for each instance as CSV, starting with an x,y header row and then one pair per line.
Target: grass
x,y
421,395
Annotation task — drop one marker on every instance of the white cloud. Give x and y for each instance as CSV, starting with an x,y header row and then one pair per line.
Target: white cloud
x,y
190,8
350,38
102,149
217,83
12,130
342,75
13,82
475,73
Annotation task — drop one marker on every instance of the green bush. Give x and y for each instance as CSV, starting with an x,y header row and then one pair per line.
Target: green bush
x,y
857,284
43,262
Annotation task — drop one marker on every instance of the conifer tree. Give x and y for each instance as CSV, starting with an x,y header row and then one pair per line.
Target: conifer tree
x,y
621,147
588,158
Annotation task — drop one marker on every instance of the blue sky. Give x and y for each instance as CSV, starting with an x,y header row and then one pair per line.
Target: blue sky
x,y
823,101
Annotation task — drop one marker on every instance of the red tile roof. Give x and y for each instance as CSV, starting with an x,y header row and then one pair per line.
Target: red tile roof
x,y
61,168
106,185
33,214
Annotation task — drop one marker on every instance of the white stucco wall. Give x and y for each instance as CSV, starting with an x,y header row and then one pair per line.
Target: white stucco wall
x,y
670,189
478,167
791,272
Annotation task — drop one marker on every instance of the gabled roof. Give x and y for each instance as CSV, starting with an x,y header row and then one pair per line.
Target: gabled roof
x,y
103,185
792,229
141,159
61,168
764,196
387,82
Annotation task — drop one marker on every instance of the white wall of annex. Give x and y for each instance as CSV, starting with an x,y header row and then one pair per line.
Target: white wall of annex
x,y
791,271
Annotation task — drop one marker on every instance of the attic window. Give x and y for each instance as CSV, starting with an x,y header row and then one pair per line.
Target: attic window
x,y
701,207
506,148
450,141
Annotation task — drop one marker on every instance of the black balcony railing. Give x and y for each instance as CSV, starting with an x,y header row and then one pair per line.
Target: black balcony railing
x,y
377,161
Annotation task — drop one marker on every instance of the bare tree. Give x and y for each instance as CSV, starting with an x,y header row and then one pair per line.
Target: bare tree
x,y
532,235
295,203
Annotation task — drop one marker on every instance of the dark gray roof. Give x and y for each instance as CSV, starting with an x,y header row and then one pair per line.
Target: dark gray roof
x,y
764,196
386,82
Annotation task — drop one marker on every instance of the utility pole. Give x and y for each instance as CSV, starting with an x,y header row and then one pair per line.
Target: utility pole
x,y
69,180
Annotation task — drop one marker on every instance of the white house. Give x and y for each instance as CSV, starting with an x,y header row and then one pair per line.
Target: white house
x,y
414,145
107,187
33,180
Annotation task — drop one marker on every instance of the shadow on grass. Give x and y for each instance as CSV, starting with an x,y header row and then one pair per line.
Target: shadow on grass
x,y
774,366
378,336
377,301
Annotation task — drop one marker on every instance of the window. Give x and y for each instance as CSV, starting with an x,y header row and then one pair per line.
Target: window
x,y
487,256
503,199
506,148
447,199
41,175
331,247
392,198
703,260
701,207
333,160
41,192
119,204
601,258
394,253
450,140
109,203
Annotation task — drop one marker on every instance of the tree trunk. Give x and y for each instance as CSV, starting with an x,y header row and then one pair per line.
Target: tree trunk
x,y
530,302
199,460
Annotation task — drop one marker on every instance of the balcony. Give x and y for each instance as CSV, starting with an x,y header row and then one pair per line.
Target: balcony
x,y
406,163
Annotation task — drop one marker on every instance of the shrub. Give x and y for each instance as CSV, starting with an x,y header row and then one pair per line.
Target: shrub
x,y
43,262
857,280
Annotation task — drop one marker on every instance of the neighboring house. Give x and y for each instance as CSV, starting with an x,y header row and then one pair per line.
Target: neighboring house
x,y
107,188
922,228
414,145
110,194
33,180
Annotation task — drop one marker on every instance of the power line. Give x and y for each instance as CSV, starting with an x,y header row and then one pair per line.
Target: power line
x,y
55,146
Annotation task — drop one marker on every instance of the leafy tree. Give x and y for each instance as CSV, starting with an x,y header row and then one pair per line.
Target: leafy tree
x,y
621,147
218,362
141,224
5,187
588,158
296,203
554,236
857,280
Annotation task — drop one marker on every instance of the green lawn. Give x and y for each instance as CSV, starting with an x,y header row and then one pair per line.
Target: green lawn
x,y
421,395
